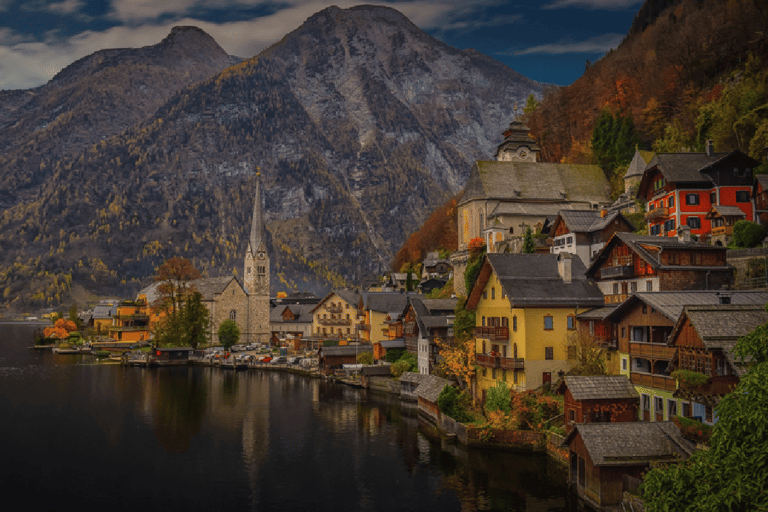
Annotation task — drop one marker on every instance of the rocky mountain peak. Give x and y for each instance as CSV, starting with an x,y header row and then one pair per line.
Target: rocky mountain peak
x,y
191,41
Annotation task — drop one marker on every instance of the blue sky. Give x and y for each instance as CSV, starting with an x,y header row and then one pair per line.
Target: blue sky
x,y
549,41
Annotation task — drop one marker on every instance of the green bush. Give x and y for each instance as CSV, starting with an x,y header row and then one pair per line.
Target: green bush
x,y
454,403
498,398
690,379
365,358
229,333
399,368
747,234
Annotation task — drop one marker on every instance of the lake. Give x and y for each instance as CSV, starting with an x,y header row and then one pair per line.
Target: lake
x,y
74,434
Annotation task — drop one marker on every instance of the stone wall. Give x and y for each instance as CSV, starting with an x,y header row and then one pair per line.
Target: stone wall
x,y
749,268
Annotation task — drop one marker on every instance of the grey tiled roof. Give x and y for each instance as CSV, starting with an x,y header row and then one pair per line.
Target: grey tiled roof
x,y
599,387
533,279
631,443
387,302
684,167
430,388
721,322
302,312
727,211
440,305
638,164
515,181
209,286
671,304
351,297
345,350
597,313
396,343
411,377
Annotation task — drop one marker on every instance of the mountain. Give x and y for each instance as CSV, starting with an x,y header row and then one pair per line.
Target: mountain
x,y
360,123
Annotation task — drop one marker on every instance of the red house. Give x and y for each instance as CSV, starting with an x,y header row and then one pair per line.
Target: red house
x,y
681,188
598,399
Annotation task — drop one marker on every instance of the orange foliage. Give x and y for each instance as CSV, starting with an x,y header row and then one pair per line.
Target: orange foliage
x,y
458,359
439,231
55,332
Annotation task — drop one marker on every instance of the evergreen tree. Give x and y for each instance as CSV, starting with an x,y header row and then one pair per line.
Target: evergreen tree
x,y
614,141
529,246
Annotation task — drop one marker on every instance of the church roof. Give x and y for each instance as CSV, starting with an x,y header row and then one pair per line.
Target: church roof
x,y
638,164
515,136
536,181
257,222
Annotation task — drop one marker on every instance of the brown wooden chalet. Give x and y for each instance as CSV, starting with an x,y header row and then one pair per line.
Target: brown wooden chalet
x,y
680,188
704,337
722,219
644,325
334,357
606,458
585,232
598,399
632,263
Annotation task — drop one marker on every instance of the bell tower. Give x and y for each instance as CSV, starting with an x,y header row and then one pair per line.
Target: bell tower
x,y
256,273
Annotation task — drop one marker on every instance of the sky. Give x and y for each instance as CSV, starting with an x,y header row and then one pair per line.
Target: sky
x,y
548,40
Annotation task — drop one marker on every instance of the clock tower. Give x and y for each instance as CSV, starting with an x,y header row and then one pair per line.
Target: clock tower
x,y
256,273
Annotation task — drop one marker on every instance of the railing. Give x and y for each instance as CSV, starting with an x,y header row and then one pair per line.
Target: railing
x,y
616,299
488,361
334,309
657,212
334,321
492,333
622,271
653,381
717,385
651,350
510,363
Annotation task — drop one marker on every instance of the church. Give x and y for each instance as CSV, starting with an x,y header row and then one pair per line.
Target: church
x,y
226,298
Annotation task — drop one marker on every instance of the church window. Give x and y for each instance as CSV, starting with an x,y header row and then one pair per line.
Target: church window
x,y
233,315
248,270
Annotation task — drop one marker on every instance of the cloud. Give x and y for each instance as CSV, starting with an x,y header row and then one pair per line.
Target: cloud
x,y
598,44
66,7
611,5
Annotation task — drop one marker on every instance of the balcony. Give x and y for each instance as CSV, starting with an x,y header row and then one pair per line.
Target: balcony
x,y
657,213
492,333
651,350
510,363
334,321
363,327
334,309
488,361
653,381
620,272
715,386
722,230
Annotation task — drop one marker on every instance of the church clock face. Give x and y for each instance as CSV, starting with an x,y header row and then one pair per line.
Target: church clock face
x,y
261,255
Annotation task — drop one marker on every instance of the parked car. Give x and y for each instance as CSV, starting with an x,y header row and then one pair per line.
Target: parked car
x,y
294,360
265,359
279,360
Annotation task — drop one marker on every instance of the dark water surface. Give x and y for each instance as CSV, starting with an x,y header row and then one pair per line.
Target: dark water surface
x,y
80,436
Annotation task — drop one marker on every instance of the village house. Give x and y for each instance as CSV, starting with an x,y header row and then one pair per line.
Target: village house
x,y
644,324
595,399
331,358
292,324
607,458
760,196
704,337
680,189
631,263
133,320
433,266
585,232
425,320
101,315
635,171
378,310
336,316
515,191
525,307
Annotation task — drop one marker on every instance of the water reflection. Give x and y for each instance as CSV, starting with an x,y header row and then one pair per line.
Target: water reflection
x,y
239,440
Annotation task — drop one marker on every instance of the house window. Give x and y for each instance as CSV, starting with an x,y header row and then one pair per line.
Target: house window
x,y
671,201
549,323
623,332
514,323
708,413
671,409
485,294
633,287
483,320
669,225
691,199
233,315
649,286
549,353
712,198
623,364
493,292
571,415
742,196
658,405
693,222
571,322
686,409
646,403
615,288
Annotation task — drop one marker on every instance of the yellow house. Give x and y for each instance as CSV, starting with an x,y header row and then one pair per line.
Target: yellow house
x,y
380,309
525,307
336,316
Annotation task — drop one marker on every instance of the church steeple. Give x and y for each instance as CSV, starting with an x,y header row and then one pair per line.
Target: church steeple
x,y
257,221
256,271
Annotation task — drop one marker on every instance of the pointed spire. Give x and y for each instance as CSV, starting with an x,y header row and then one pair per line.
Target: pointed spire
x,y
257,224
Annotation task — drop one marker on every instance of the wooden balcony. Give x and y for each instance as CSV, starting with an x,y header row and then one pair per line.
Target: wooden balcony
x,y
716,386
488,361
334,309
653,381
722,230
492,333
334,321
651,350
657,213
620,272
510,363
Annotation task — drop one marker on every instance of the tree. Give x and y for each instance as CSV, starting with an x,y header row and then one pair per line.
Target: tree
x,y
529,246
175,276
458,359
229,333
498,398
365,358
613,141
747,234
731,475
195,320
586,355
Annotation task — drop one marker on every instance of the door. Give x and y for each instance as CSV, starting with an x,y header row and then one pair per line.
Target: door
x,y
546,378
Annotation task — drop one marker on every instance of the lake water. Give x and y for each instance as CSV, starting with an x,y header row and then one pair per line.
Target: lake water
x,y
81,436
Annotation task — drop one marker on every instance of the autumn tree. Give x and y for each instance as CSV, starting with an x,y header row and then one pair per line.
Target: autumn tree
x,y
60,329
586,355
175,276
458,359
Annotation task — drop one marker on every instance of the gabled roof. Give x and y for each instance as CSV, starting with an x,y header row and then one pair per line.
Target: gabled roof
x,y
588,221
436,306
644,245
210,286
430,388
387,302
598,387
597,313
351,297
528,181
671,304
725,211
534,280
639,162
631,443
301,312
762,180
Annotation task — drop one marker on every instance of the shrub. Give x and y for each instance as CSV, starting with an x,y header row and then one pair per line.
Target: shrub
x,y
365,358
690,379
229,333
693,430
454,403
747,234
498,398
399,368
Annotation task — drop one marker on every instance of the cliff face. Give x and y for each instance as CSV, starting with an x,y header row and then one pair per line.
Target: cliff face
x,y
360,123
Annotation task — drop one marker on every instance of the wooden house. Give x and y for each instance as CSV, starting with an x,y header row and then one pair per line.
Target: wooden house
x,y
606,458
722,219
424,321
598,399
333,358
585,232
704,337
631,263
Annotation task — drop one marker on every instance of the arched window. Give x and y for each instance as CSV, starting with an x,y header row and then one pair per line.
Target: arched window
x,y
233,315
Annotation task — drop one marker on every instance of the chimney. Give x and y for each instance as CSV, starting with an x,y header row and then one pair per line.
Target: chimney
x,y
709,147
603,212
565,267
684,234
